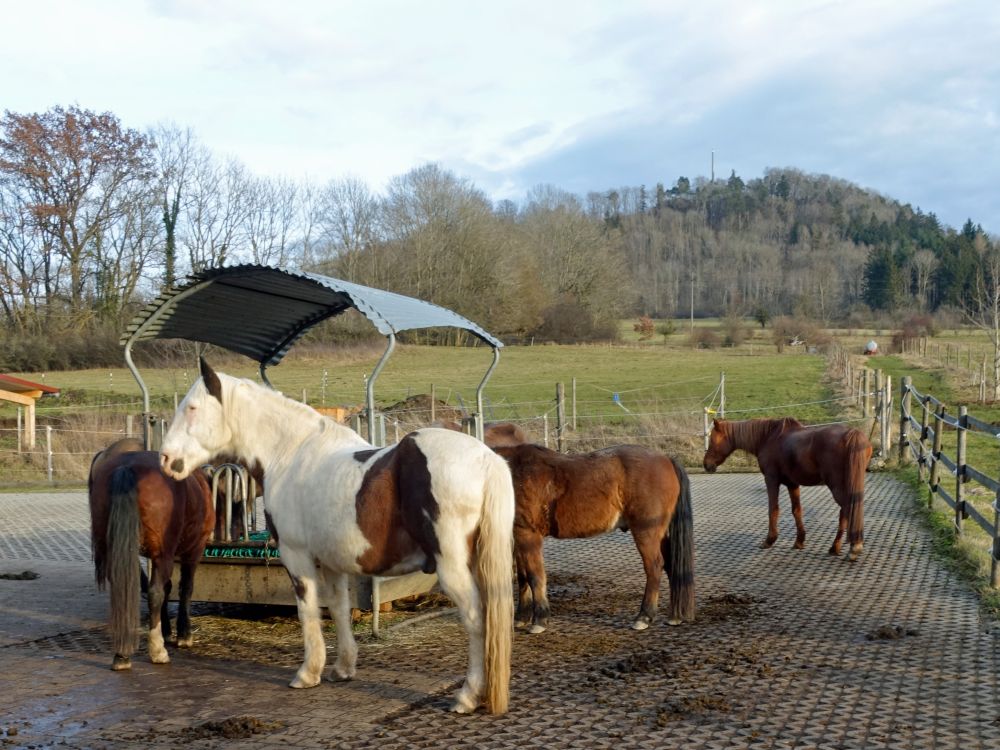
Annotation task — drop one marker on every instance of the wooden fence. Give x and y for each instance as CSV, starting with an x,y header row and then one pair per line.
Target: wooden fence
x,y
921,440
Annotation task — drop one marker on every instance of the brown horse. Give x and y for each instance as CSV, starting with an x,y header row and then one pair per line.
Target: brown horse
x,y
793,455
135,509
495,434
625,487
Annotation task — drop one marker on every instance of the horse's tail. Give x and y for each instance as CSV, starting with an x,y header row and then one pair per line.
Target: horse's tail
x,y
122,568
494,561
859,453
678,552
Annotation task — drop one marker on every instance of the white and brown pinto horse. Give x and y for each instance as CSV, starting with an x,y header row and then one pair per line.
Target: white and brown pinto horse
x,y
438,500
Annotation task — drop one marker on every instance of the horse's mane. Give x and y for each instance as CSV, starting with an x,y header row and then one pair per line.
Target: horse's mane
x,y
267,398
748,434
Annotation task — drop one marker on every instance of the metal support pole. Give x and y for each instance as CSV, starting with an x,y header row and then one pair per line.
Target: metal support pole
x,y
481,388
370,390
722,397
704,427
866,395
20,427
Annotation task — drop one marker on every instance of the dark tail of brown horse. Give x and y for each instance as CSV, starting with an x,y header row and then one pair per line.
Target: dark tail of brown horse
x,y
678,552
122,566
859,454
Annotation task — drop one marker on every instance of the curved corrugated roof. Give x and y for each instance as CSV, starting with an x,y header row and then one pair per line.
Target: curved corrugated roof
x,y
260,311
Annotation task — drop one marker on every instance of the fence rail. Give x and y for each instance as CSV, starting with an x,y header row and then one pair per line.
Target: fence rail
x,y
921,440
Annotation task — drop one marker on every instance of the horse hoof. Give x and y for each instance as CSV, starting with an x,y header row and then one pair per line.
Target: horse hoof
x,y
536,629
339,674
163,658
642,624
767,544
520,623
300,684
185,642
834,551
121,663
799,545
464,704
675,621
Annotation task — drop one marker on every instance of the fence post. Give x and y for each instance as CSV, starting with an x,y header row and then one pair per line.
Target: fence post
x,y
904,419
722,397
877,411
995,562
924,419
705,426
48,450
545,429
574,405
433,403
560,415
866,396
936,453
19,429
886,415
963,423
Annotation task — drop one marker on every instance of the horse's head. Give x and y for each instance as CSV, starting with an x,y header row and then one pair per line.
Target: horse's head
x,y
719,446
199,431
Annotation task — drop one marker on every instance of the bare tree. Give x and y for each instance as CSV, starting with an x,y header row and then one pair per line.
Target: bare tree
x,y
984,308
269,219
77,172
176,151
214,216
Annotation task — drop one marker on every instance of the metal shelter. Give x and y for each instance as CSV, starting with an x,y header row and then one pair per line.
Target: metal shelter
x,y
261,311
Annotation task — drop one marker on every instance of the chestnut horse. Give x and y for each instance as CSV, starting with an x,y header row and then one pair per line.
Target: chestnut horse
x,y
625,487
135,509
793,455
337,506
495,434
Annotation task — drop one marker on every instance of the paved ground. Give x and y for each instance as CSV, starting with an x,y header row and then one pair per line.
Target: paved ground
x,y
791,649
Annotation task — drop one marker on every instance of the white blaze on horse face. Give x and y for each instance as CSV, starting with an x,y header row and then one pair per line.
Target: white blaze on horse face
x,y
197,434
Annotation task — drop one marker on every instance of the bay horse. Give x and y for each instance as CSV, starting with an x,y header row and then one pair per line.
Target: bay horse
x,y
436,501
625,487
136,509
495,434
791,454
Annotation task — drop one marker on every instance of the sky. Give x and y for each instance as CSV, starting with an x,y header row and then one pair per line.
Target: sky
x,y
898,96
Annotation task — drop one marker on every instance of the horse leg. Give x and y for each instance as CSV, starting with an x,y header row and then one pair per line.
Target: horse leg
x,y
459,585
773,487
335,593
156,600
184,637
528,544
302,570
647,542
800,529
841,528
524,597
165,628
852,511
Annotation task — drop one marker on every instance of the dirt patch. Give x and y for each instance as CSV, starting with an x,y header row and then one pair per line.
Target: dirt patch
x,y
890,633
692,706
727,607
25,575
416,410
235,728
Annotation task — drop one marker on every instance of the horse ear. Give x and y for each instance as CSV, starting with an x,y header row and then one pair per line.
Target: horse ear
x,y
212,382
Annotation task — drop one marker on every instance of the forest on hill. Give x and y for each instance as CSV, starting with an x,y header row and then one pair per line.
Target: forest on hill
x,y
97,218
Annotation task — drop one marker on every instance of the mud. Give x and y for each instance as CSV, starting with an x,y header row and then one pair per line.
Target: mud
x,y
26,575
890,633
